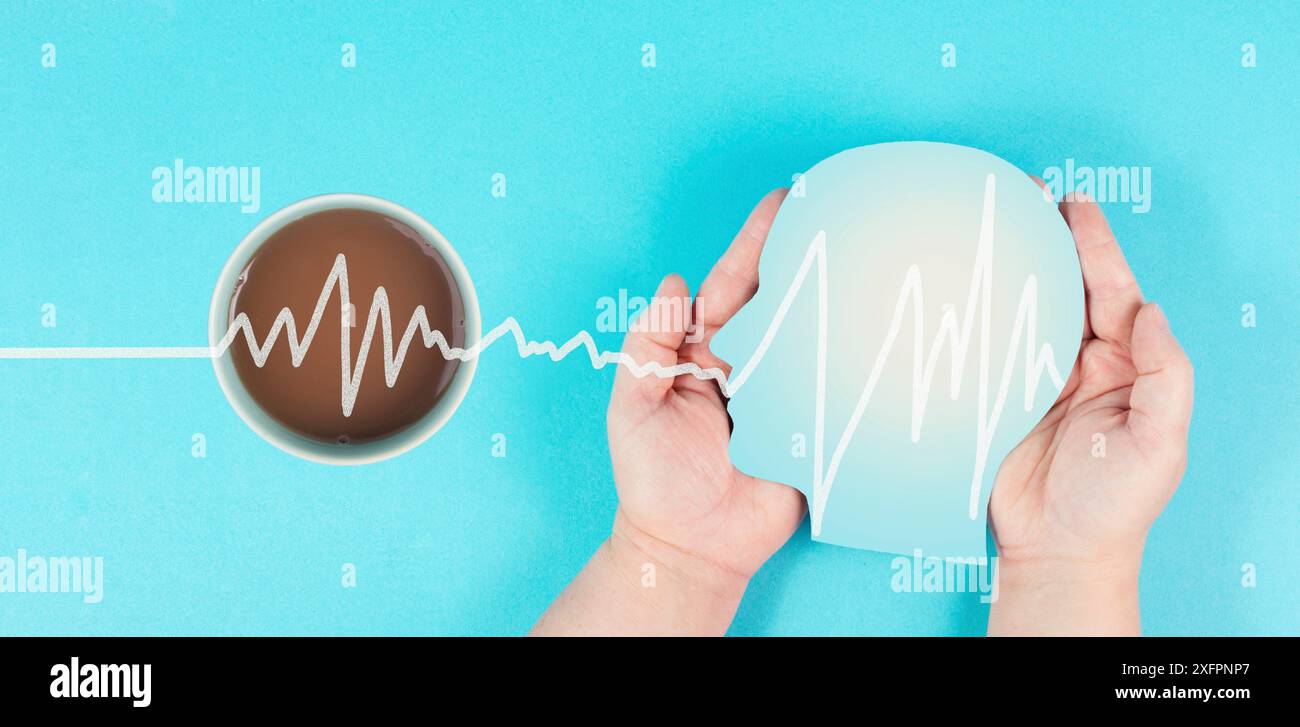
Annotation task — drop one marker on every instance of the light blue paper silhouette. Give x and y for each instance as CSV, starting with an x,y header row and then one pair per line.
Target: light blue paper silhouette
x,y
888,240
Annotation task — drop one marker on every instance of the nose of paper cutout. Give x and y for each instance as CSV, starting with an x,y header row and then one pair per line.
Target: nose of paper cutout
x,y
920,308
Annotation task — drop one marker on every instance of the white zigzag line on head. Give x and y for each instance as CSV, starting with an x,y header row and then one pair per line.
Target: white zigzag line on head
x,y
1037,360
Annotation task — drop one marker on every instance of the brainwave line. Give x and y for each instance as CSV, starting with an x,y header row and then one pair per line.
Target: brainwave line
x,y
1037,360
381,315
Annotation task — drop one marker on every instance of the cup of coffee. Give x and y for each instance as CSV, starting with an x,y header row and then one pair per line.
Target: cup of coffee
x,y
339,368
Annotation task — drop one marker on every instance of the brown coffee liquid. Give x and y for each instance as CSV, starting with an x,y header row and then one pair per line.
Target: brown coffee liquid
x,y
290,269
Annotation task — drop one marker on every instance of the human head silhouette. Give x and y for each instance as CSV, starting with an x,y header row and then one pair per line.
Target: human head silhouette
x,y
919,309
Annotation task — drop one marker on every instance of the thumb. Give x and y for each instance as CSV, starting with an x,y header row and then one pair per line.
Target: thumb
x,y
654,337
1160,406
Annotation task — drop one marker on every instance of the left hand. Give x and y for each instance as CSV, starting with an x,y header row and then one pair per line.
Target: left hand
x,y
680,498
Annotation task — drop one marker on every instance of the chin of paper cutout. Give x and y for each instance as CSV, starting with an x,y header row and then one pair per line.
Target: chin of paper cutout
x,y
910,262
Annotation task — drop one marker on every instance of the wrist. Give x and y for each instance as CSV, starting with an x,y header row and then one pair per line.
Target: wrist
x,y
1116,564
688,592
1067,596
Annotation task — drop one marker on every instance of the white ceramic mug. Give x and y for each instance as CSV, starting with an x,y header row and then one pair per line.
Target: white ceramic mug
x,y
285,438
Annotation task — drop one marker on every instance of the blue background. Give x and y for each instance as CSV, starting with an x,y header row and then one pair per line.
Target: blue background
x,y
617,174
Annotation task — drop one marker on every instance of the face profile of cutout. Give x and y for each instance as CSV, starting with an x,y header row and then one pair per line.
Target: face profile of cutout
x,y
920,307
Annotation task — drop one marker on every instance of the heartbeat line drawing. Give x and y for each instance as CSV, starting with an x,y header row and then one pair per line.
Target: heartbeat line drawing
x,y
1037,360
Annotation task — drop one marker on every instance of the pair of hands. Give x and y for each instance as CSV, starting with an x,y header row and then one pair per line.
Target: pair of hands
x,y
1070,527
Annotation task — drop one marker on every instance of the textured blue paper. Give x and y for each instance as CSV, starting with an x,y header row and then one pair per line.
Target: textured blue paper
x,y
617,174
913,233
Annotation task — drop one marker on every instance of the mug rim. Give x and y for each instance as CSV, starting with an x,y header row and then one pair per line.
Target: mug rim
x,y
281,436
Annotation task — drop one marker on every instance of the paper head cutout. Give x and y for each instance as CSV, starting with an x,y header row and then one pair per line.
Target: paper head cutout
x,y
940,290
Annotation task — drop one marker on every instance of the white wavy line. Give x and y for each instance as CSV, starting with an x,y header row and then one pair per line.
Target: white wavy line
x,y
1037,361
419,323
380,315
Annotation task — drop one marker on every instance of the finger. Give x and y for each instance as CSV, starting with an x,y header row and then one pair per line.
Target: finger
x,y
1042,186
714,368
782,507
653,337
734,278
1160,405
1113,295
